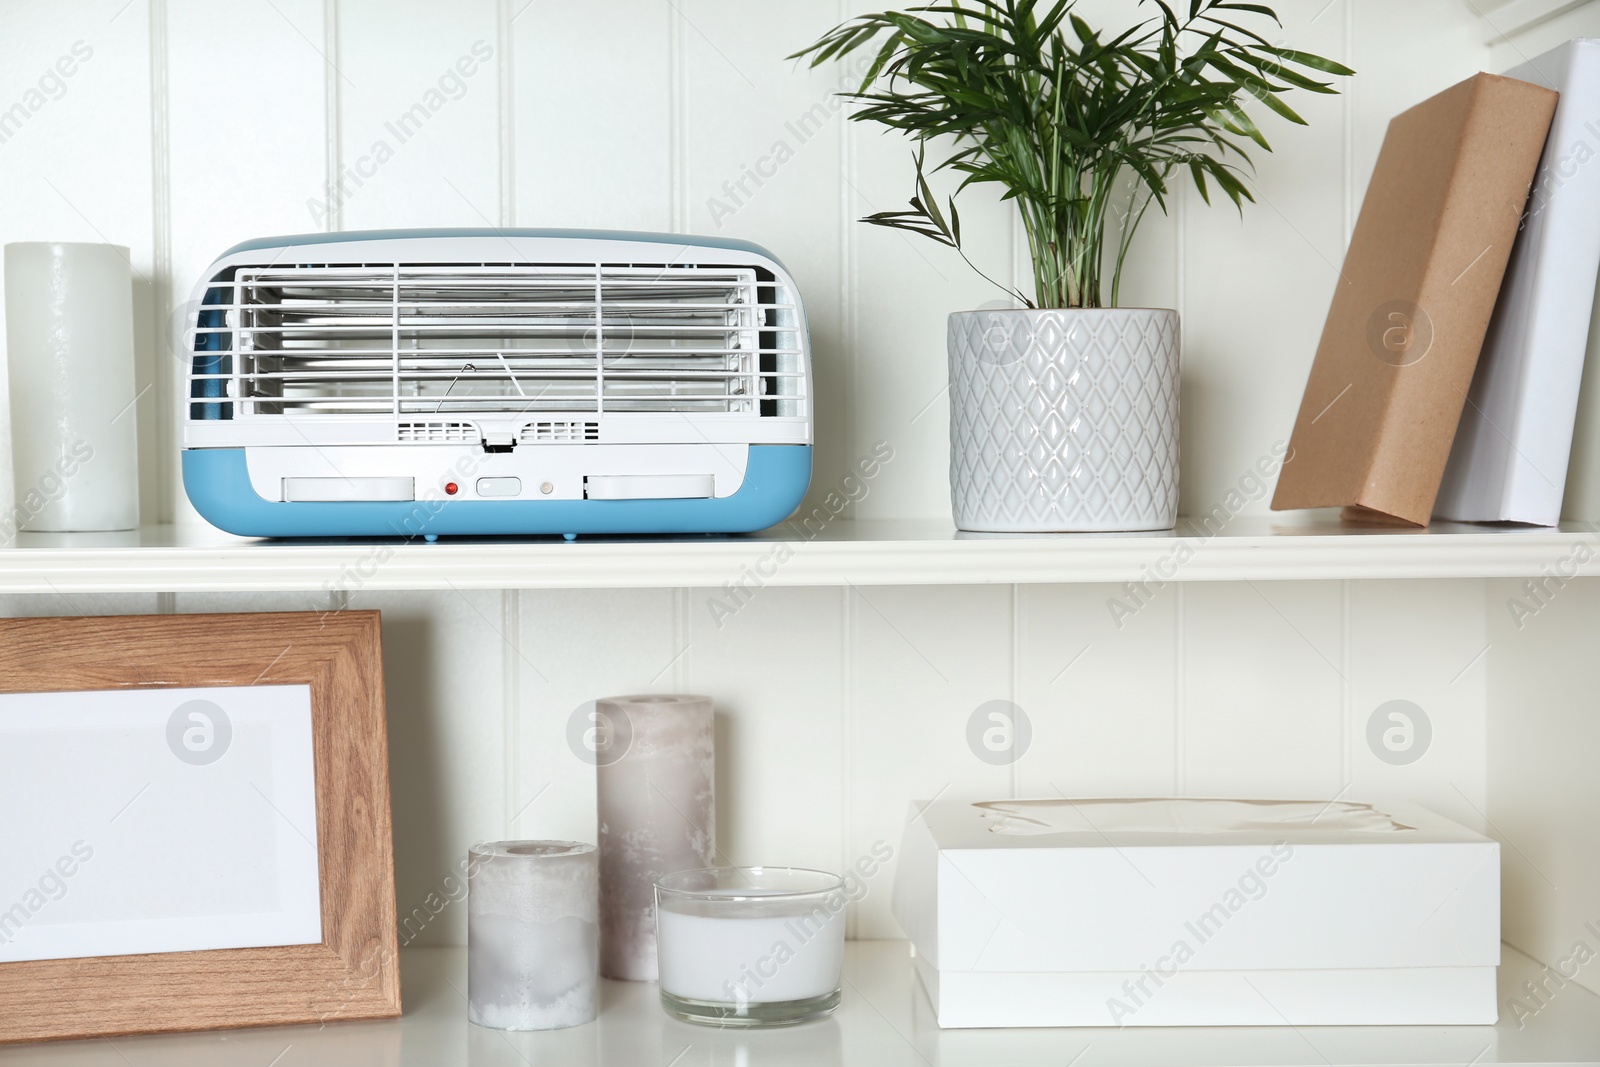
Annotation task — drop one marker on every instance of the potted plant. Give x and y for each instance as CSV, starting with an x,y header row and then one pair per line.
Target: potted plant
x,y
1064,411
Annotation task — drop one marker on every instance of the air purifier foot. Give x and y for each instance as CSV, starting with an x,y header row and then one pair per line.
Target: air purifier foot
x,y
570,537
430,538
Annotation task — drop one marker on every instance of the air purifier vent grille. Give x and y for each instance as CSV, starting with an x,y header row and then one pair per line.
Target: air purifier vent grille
x,y
404,340
550,431
437,432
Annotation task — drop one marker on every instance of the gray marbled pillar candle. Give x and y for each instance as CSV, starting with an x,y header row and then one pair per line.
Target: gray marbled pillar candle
x,y
533,956
657,815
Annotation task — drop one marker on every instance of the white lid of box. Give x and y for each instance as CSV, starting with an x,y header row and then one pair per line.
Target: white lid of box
x,y
1123,885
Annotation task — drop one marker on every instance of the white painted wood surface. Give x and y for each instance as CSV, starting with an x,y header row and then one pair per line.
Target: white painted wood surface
x,y
884,1020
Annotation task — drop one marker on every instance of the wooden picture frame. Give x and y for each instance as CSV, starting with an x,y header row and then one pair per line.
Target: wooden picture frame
x,y
354,972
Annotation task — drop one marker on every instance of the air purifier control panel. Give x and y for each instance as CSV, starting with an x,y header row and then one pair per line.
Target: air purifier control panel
x,y
548,472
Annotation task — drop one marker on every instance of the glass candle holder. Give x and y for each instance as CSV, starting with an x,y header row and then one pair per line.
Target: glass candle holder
x,y
533,934
750,946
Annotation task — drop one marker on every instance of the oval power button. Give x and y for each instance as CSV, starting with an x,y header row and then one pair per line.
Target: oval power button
x,y
499,486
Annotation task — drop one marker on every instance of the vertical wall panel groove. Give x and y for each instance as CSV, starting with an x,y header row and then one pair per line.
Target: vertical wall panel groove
x,y
1349,131
331,127
679,149
168,385
1021,268
1347,689
506,68
848,325
1015,681
511,704
680,638
1180,265
846,763
847,657
1180,776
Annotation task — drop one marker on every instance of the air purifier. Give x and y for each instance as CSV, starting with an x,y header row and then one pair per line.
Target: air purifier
x,y
496,382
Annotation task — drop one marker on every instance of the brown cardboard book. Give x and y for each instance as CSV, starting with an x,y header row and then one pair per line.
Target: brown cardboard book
x,y
1413,301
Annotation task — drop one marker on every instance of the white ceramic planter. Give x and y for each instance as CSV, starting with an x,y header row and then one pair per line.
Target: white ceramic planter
x,y
1064,420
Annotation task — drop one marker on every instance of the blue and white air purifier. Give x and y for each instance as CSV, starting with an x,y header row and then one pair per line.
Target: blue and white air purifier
x,y
427,382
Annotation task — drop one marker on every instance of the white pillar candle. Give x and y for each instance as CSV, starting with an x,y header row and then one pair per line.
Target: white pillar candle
x,y
69,347
532,934
657,814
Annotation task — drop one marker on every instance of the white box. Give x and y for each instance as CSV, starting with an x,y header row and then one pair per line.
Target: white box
x,y
1198,912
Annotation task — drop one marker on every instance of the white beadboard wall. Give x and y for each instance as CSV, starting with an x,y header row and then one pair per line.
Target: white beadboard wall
x,y
197,124
666,115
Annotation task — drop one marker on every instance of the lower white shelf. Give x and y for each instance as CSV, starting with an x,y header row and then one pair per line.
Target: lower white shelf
x,y
885,1021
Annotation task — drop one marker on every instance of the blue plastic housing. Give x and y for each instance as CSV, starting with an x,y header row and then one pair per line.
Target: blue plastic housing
x,y
218,485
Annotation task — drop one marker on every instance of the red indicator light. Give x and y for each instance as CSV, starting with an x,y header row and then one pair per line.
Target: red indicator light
x,y
451,488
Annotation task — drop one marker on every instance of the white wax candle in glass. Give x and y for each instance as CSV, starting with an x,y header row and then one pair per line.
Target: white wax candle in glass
x,y
750,946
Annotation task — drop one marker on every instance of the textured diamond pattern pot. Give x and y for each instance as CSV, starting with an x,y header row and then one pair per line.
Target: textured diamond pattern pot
x,y
1064,420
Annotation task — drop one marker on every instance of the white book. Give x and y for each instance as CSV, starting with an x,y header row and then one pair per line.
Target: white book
x,y
1509,461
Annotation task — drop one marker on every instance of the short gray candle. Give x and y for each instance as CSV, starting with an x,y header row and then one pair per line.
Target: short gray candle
x,y
532,934
657,815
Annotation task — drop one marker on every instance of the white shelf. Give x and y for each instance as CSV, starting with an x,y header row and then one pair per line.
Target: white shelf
x,y
885,1021
1310,545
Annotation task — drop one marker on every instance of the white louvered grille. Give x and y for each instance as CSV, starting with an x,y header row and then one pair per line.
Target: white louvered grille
x,y
437,432
452,340
568,430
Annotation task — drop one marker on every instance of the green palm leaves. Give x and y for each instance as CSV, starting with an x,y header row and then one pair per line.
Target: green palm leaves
x,y
1079,128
